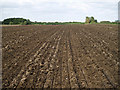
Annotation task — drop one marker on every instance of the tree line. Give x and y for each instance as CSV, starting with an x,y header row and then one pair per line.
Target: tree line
x,y
13,21
22,21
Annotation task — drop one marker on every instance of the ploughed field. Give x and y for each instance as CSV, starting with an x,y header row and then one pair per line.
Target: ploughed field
x,y
60,56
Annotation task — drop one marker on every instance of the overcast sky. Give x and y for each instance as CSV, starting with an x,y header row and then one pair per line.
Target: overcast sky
x,y
59,10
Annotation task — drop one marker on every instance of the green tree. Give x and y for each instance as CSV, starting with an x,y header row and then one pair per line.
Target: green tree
x,y
92,20
95,21
10,23
25,23
16,21
87,20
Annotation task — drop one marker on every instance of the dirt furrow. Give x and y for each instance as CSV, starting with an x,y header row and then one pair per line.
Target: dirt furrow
x,y
20,48
77,59
19,66
58,63
65,68
86,53
90,73
41,48
60,56
43,67
42,77
43,70
52,67
104,64
73,73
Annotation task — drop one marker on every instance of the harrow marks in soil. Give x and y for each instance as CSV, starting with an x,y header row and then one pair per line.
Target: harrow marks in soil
x,y
65,56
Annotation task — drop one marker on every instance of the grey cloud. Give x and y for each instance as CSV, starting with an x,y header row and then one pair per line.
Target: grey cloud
x,y
14,5
58,11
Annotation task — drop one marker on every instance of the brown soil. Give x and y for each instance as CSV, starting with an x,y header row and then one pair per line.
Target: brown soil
x,y
60,56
